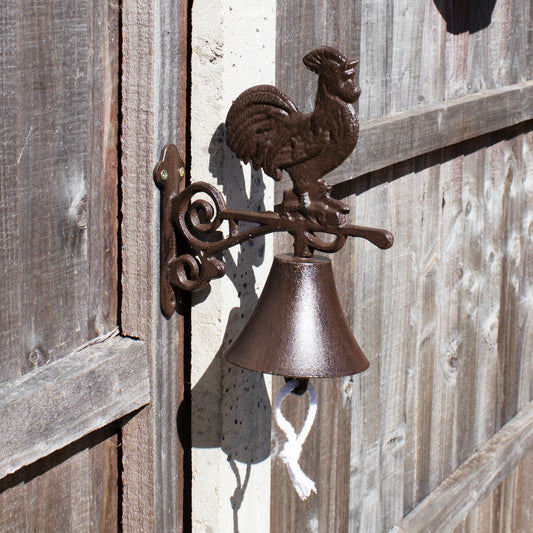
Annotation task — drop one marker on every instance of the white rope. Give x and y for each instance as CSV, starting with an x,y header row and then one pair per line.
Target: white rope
x,y
293,447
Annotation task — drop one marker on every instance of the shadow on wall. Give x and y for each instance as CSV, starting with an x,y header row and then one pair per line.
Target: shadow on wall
x,y
230,406
466,15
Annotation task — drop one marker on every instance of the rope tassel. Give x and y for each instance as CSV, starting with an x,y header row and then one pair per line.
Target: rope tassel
x,y
290,454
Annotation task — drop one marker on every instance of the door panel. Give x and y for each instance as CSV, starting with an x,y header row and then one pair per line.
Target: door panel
x,y
58,202
58,228
154,111
75,489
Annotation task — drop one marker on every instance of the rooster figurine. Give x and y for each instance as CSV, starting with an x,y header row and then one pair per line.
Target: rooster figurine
x,y
263,126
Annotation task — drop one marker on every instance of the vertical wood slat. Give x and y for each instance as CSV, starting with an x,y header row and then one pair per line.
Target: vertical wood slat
x,y
58,203
326,453
154,77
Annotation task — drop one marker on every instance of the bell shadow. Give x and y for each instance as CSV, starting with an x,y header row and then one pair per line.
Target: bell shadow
x,y
231,405
466,15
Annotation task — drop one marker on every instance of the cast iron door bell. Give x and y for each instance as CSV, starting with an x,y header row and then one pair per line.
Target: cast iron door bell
x,y
311,337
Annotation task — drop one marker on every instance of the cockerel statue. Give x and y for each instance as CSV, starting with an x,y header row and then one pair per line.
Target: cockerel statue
x,y
265,127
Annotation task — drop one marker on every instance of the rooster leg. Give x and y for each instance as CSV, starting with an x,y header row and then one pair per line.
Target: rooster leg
x,y
325,190
316,204
290,206
324,211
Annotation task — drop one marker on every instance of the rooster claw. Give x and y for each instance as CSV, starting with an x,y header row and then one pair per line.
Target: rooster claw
x,y
323,214
325,211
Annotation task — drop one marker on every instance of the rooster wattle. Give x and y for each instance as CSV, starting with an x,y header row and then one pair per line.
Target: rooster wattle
x,y
263,126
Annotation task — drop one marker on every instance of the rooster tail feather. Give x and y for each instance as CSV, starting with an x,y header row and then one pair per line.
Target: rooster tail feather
x,y
252,126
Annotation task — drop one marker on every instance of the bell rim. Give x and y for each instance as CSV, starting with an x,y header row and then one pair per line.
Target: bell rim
x,y
299,375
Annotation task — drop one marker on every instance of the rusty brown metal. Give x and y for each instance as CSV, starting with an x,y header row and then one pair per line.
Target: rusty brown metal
x,y
169,178
298,327
199,221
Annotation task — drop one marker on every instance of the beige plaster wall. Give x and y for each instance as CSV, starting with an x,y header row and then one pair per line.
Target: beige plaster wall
x,y
233,49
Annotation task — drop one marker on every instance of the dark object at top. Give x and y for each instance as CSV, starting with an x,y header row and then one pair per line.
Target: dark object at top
x,y
264,126
465,15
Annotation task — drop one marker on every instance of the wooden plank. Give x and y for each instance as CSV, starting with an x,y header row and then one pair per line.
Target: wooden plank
x,y
516,307
73,489
45,410
389,140
58,81
425,190
58,222
448,505
154,81
302,26
507,508
102,166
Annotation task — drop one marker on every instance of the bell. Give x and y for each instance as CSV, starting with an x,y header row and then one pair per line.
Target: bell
x,y
298,328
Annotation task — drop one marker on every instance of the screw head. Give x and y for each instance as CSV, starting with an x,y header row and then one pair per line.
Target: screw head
x,y
181,172
164,175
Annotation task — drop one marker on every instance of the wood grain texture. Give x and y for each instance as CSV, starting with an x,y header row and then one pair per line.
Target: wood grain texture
x,y
507,508
409,58
444,315
154,77
73,489
395,138
58,190
449,504
45,410
431,319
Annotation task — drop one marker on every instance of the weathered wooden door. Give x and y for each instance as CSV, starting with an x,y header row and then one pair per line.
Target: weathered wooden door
x,y
80,334
444,162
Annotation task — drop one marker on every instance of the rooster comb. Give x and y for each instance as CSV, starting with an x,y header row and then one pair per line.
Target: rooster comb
x,y
314,59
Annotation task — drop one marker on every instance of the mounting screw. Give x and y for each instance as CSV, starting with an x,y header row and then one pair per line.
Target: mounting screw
x,y
164,175
181,172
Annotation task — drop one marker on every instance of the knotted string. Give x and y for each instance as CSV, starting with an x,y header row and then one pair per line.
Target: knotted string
x,y
293,447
